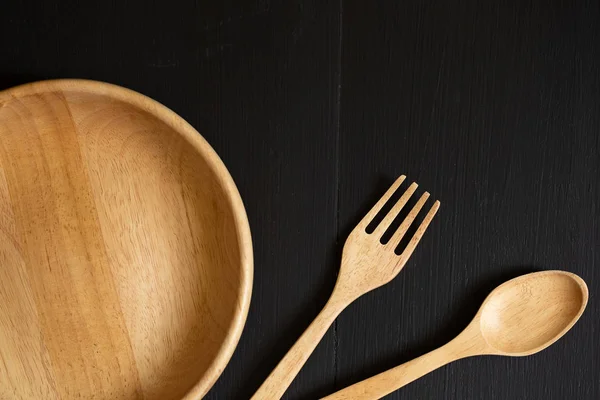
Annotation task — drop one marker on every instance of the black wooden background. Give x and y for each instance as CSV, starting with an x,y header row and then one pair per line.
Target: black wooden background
x,y
315,106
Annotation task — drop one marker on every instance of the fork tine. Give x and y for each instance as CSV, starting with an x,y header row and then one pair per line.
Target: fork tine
x,y
393,213
384,199
420,231
403,228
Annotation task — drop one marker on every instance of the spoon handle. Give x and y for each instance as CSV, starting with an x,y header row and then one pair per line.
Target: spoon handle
x,y
393,379
282,376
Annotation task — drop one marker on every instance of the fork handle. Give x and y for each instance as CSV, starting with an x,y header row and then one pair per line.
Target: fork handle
x,y
282,376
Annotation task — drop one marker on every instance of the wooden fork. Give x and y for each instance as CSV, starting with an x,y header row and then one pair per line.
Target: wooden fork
x,y
366,264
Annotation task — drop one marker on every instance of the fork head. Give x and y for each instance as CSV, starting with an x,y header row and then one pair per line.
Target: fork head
x,y
367,260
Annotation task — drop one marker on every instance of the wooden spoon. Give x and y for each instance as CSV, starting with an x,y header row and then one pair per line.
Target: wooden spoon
x,y
519,318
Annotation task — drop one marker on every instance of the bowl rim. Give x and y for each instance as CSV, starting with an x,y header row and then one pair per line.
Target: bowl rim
x,y
196,140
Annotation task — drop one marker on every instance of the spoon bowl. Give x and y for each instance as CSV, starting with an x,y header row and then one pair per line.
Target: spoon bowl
x,y
529,313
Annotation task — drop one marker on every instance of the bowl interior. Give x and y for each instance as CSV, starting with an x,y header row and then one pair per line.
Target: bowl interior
x,y
124,265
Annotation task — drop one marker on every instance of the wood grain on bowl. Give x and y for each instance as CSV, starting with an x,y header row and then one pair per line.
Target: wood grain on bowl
x,y
125,251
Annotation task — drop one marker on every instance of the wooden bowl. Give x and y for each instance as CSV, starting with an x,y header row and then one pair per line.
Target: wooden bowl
x,y
125,251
